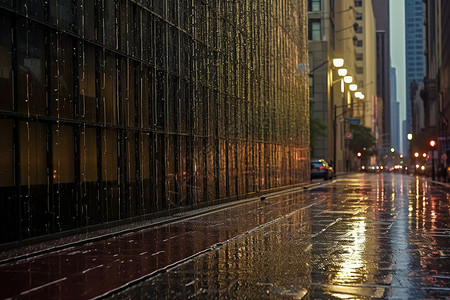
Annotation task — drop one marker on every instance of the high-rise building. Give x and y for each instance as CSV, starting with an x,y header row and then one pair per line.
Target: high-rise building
x,y
342,29
113,111
436,90
395,113
414,56
381,12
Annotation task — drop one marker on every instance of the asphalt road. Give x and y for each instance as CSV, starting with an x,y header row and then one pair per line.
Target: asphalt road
x,y
358,236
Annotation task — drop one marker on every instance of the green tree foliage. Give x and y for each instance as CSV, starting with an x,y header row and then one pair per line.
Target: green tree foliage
x,y
362,141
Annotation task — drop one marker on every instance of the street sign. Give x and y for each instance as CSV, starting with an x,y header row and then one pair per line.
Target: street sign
x,y
353,120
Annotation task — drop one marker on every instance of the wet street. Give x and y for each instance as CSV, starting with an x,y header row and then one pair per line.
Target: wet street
x,y
360,236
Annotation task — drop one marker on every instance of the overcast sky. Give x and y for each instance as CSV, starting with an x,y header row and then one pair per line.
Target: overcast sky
x,y
397,34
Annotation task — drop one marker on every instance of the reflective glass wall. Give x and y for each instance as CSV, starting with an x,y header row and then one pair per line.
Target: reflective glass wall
x,y
111,110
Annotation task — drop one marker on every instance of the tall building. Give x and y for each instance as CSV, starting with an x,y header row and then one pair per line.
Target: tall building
x,y
414,55
366,62
381,12
114,111
341,29
436,91
395,113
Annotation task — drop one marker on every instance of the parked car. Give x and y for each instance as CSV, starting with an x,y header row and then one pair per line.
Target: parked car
x,y
321,169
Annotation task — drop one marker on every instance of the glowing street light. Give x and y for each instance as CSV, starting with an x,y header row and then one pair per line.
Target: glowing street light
x,y
348,79
409,136
338,62
342,72
392,149
432,143
353,87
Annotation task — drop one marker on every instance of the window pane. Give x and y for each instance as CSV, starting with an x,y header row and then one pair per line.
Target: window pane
x,y
62,14
109,90
31,68
88,175
62,77
9,216
86,73
5,63
33,179
64,178
110,175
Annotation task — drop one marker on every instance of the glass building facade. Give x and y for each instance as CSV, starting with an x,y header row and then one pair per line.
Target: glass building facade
x,y
119,110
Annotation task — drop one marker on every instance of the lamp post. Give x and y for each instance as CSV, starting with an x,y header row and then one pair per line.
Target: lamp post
x,y
409,136
335,116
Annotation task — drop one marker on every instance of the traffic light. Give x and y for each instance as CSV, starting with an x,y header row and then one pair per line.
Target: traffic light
x,y
432,144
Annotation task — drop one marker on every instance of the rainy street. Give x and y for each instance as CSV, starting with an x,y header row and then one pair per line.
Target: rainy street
x,y
360,236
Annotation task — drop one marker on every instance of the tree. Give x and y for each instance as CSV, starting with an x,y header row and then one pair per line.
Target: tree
x,y
362,141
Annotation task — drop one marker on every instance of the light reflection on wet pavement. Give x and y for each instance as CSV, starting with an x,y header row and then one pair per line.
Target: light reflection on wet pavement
x,y
367,236
363,236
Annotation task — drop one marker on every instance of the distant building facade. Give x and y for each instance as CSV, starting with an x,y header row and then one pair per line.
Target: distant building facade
x,y
113,111
395,113
436,91
414,56
381,12
347,31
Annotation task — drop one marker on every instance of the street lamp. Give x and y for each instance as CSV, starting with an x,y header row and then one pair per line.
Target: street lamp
x,y
359,95
338,62
409,136
353,87
342,72
348,79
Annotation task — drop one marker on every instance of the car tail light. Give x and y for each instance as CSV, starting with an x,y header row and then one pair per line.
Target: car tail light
x,y
323,168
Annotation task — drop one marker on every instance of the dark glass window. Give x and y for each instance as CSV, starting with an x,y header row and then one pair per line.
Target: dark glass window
x,y
110,178
314,5
9,213
172,10
5,63
33,179
62,14
145,168
31,70
160,99
160,51
108,88
110,26
88,175
314,30
62,103
86,73
173,49
63,174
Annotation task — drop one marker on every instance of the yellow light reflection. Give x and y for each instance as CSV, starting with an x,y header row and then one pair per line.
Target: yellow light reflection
x,y
352,259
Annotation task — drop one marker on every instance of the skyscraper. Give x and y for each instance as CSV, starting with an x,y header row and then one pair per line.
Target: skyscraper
x,y
381,12
414,54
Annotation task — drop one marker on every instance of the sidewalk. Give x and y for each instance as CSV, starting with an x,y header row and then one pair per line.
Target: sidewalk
x,y
100,265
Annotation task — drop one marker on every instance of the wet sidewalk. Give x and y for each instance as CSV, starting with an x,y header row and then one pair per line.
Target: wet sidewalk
x,y
101,267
